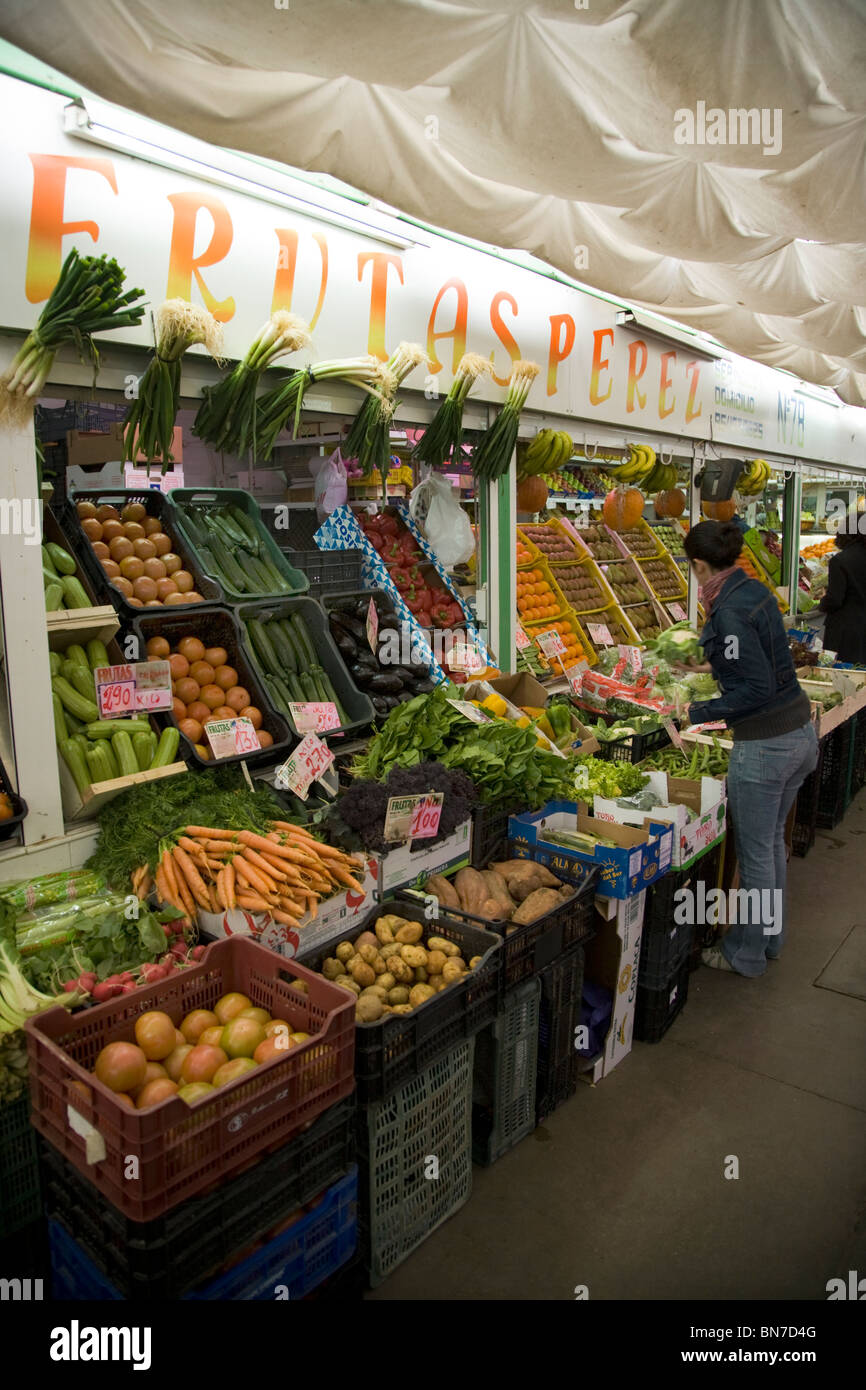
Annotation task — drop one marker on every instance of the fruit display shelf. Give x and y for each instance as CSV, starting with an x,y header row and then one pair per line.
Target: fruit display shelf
x,y
664,578
626,582
556,541
582,586
671,537
641,541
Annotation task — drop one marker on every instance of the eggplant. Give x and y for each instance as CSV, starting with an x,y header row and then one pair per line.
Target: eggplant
x,y
346,645
423,687
380,704
406,676
386,684
389,620
404,697
362,675
357,629
391,701
346,606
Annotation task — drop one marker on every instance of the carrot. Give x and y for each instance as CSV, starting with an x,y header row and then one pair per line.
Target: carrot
x,y
218,847
194,848
206,832
221,889
289,905
284,917
254,901
190,881
229,881
268,867
169,871
346,879
288,871
215,865
162,889
257,881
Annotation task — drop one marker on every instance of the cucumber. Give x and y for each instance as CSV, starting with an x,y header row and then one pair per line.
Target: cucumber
x,y
55,661
278,698
73,592
75,761
261,645
76,653
107,728
246,524
63,561
144,747
121,746
96,654
304,642
80,741
235,576
48,565
101,763
82,681
286,654
254,579
61,732
72,700
53,598
166,751
293,681
291,637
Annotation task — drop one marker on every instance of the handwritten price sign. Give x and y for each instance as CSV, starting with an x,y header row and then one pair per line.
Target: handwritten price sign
x,y
372,625
677,612
315,717
124,690
152,685
521,639
551,644
230,738
599,632
465,658
310,760
470,711
673,734
413,817
575,674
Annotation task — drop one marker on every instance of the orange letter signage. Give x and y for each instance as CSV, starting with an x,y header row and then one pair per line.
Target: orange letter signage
x,y
560,346
635,372
599,364
183,263
505,337
458,332
47,228
378,295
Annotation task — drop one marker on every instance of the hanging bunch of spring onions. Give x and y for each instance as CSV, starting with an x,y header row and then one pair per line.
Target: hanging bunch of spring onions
x,y
492,455
282,405
367,440
441,441
149,426
226,417
87,299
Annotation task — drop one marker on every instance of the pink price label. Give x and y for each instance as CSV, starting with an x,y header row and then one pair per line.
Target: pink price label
x,y
425,817
115,691
575,674
550,643
465,658
372,625
677,611
520,638
230,738
599,633
673,734
315,717
310,760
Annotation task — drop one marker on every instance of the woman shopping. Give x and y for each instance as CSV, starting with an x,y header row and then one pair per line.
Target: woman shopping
x,y
775,744
845,599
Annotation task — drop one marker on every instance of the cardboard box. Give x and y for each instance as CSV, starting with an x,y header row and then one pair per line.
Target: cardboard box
x,y
84,449
706,798
636,859
612,959
400,868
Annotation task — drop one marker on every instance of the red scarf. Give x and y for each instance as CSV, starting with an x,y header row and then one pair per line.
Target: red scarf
x,y
710,591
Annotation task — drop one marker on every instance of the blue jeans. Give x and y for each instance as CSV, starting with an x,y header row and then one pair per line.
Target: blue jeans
x,y
764,777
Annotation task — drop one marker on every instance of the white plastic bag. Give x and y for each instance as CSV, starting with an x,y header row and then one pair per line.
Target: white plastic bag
x,y
446,525
331,488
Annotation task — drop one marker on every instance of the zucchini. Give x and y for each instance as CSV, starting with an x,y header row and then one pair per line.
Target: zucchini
x,y
49,577
53,598
144,747
61,732
246,524
234,575
166,751
75,726
74,652
80,742
55,661
73,592
63,561
330,693
96,654
278,698
304,641
121,746
82,680
75,761
101,762
83,709
291,637
261,645
48,566
253,577
285,652
107,728
276,580
308,685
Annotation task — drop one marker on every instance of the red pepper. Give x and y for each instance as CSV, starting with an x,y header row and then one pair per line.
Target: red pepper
x,y
443,615
391,553
401,578
389,525
423,617
417,600
377,541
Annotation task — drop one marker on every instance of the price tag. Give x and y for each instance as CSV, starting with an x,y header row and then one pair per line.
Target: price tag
x,y
413,817
677,611
632,655
550,643
426,815
470,711
599,633
575,674
520,637
115,691
372,625
315,717
152,685
702,728
306,765
230,738
673,734
465,658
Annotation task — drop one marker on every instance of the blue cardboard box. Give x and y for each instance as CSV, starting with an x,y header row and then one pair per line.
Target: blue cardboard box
x,y
634,861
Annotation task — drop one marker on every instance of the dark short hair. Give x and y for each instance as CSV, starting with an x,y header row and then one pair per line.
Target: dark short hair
x,y
855,530
718,543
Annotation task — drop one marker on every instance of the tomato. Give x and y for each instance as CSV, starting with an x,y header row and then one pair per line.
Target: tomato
x,y
260,1015
121,1066
241,1037
179,1038
195,1023
153,1072
191,647
155,1091
277,1025
229,1006
175,1060
197,1090
125,1099
277,1045
230,1071
202,1063
212,1037
154,1033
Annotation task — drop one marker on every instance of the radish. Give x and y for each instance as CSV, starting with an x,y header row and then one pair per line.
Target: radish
x,y
197,952
103,992
167,930
128,988
70,986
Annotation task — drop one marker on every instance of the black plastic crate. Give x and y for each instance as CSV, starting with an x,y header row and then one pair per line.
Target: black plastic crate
x,y
559,1015
9,827
504,1076
834,777
858,757
666,942
303,523
529,947
329,571
490,833
162,1259
806,812
656,1009
634,747
392,1051
20,1198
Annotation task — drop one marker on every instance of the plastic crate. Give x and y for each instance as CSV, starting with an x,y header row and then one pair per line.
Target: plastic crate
x,y
304,522
530,946
398,1047
634,747
559,1015
503,1086
834,777
329,571
401,1197
182,498
156,504
9,827
806,812
162,1259
665,942
490,833
181,1150
20,1196
656,1009
858,759
218,627
295,1260
355,702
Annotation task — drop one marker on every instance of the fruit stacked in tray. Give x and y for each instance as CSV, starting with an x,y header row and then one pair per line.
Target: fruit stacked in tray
x,y
536,597
625,580
645,621
640,541
577,644
610,627
581,587
671,538
600,543
553,541
527,554
664,578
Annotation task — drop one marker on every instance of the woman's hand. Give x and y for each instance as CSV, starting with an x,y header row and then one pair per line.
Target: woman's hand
x,y
692,668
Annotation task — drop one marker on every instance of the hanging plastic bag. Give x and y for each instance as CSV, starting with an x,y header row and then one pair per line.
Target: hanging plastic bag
x,y
435,505
331,488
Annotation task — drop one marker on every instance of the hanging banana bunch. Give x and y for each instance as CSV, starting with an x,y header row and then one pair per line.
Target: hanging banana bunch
x,y
753,480
547,453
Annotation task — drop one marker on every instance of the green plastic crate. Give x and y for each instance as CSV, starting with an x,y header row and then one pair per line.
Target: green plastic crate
x,y
183,498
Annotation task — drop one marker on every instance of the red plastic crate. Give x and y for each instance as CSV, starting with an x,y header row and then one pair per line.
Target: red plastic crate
x,y
181,1151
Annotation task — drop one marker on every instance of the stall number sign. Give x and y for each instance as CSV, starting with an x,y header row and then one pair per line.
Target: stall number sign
x,y
465,658
599,632
677,611
230,737
372,625
413,817
521,638
470,711
551,644
315,717
126,690
310,761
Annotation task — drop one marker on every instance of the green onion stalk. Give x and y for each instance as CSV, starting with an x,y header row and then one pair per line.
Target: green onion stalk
x,y
367,440
283,403
149,426
441,441
226,417
85,300
492,454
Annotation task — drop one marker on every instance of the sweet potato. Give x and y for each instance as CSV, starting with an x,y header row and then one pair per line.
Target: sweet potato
x,y
472,891
497,889
524,876
507,866
536,904
444,891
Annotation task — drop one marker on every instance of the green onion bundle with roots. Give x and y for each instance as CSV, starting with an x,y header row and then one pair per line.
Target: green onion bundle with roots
x,y
492,455
367,440
149,426
283,403
85,300
441,441
226,417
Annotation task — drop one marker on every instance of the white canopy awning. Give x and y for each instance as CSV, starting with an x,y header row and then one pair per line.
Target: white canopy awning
x,y
557,129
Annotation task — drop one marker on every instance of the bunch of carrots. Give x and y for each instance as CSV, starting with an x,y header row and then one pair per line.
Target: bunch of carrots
x,y
285,872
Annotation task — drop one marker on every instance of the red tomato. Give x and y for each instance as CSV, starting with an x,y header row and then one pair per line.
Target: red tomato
x,y
154,1033
202,1063
155,1091
121,1066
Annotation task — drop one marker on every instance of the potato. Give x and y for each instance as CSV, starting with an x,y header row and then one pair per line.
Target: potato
x,y
420,994
402,972
409,933
452,970
437,983
420,975
345,951
441,943
300,985
363,973
414,955
435,962
331,968
476,960
383,931
392,949
387,980
368,953
398,995
401,1008
379,965
346,982
368,1008
366,939
377,990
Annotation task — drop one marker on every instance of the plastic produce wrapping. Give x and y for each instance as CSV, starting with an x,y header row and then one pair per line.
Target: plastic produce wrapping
x,y
331,488
446,526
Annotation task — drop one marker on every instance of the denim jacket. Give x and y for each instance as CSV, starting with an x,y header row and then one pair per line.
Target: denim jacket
x,y
756,670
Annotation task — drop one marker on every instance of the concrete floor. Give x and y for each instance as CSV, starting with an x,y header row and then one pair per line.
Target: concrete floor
x,y
623,1188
